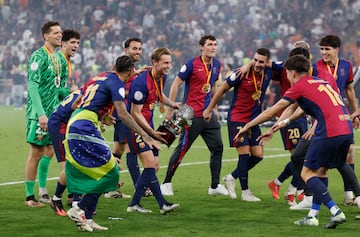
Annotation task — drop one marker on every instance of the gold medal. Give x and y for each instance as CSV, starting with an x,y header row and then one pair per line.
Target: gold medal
x,y
256,95
162,108
57,81
206,88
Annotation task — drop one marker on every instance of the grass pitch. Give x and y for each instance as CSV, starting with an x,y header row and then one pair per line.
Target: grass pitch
x,y
198,215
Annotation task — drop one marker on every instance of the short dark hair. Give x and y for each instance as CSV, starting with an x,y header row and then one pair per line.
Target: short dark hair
x,y
300,51
124,63
70,34
45,29
158,52
128,41
264,52
298,63
330,40
206,37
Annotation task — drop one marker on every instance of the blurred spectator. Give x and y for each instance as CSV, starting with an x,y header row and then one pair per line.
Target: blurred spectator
x,y
18,87
240,27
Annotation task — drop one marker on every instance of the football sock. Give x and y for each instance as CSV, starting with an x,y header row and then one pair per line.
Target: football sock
x,y
286,173
318,186
155,187
141,186
242,167
43,169
88,203
29,188
133,166
254,160
59,190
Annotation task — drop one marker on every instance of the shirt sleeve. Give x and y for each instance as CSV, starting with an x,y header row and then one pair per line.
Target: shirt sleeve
x,y
33,90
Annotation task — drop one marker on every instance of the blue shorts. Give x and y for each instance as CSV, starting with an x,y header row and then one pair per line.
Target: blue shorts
x,y
119,132
136,143
291,134
248,139
328,152
56,130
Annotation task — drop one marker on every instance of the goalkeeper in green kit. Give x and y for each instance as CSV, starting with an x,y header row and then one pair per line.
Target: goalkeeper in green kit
x,y
47,79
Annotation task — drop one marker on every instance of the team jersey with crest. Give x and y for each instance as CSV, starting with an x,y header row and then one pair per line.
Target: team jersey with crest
x,y
101,91
243,107
195,74
343,76
143,91
63,111
46,84
321,100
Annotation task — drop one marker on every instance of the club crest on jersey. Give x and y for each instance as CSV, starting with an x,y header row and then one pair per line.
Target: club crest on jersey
x,y
233,76
138,95
183,68
34,66
342,72
122,92
214,70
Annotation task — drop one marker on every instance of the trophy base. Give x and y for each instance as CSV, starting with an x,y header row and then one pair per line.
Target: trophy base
x,y
171,131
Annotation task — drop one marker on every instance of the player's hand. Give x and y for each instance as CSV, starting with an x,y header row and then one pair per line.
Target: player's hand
x,y
118,161
43,123
265,137
176,105
241,133
140,70
151,142
356,122
280,124
308,134
207,115
158,136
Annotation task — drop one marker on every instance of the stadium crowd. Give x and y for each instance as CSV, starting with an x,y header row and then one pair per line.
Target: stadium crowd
x,y
240,28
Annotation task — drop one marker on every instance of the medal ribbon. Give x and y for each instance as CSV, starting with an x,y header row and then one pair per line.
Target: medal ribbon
x,y
335,70
208,73
255,82
68,62
158,92
56,64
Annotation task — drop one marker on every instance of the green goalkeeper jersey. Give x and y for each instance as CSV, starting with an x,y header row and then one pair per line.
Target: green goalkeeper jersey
x,y
47,77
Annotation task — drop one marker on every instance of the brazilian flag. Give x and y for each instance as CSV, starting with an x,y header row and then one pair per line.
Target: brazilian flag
x,y
90,166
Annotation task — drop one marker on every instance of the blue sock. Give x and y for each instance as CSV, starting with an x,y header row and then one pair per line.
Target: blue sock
x,y
254,160
155,187
318,186
133,166
59,190
141,186
235,173
88,203
286,173
77,197
242,167
316,204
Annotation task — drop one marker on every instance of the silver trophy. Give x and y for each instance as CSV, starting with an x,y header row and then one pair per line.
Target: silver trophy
x,y
179,119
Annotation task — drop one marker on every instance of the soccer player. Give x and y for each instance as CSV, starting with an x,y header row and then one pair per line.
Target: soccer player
x,y
329,146
58,119
145,92
200,75
342,71
291,134
46,88
90,167
247,101
133,48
